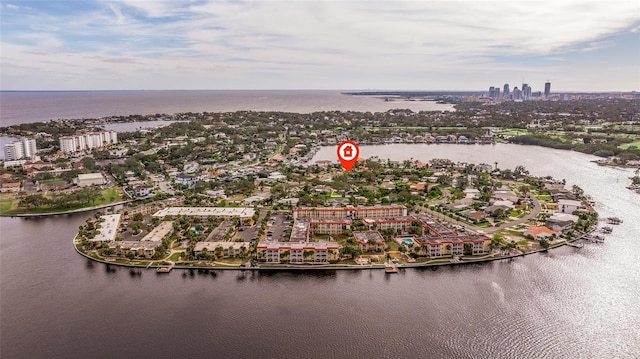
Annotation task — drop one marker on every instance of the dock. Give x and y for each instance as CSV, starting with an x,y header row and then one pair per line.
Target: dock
x,y
390,267
164,269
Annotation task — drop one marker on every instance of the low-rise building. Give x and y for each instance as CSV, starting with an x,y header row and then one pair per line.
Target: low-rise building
x,y
142,191
569,206
10,187
540,232
315,252
349,212
90,179
222,249
369,240
225,212
108,228
159,232
141,249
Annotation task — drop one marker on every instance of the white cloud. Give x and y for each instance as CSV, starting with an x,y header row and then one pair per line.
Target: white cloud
x,y
117,12
283,42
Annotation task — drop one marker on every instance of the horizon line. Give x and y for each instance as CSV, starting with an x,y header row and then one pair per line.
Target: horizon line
x,y
289,90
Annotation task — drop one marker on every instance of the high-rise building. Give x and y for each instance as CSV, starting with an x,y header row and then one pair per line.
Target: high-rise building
x,y
496,93
517,94
88,141
526,92
547,89
505,89
491,90
25,148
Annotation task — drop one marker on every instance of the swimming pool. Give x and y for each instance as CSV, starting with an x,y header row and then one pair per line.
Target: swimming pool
x,y
407,241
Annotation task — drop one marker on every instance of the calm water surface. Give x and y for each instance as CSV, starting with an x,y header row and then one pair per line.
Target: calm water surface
x,y
566,303
19,107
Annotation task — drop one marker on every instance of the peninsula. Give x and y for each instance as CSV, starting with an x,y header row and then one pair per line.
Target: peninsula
x,y
237,190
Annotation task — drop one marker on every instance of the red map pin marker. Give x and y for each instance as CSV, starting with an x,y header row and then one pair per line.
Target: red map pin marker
x,y
348,153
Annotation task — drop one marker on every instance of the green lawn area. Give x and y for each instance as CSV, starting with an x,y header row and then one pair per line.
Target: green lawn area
x,y
631,144
393,246
5,206
175,257
515,233
56,179
108,195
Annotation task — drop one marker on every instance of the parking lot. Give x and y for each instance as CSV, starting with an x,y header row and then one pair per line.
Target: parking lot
x,y
279,226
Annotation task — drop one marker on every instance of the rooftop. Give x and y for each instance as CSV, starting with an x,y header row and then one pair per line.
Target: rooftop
x,y
108,228
243,212
159,232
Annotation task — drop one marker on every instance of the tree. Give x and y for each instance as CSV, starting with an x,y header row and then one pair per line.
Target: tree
x,y
544,243
468,249
136,226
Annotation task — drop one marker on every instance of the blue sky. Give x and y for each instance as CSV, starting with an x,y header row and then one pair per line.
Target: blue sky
x,y
396,45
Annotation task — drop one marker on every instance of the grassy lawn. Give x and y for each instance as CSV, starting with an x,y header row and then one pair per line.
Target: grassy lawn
x,y
108,195
5,206
515,233
631,144
175,257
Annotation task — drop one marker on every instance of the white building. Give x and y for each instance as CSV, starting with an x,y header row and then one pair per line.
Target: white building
x,y
569,206
25,148
88,141
90,179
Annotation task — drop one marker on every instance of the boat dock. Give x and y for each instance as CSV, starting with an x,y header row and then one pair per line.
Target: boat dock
x,y
390,267
164,269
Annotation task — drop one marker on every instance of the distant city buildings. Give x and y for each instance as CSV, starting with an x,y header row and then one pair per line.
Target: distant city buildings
x,y
524,93
88,141
25,148
547,89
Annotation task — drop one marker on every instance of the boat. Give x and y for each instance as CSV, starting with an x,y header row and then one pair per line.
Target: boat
x,y
575,245
606,230
614,220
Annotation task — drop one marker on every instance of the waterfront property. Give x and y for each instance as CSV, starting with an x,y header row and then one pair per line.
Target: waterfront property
x,y
541,232
108,228
159,232
569,206
139,248
298,252
221,249
369,240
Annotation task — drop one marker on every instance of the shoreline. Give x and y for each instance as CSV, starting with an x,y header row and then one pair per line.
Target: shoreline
x,y
325,267
73,211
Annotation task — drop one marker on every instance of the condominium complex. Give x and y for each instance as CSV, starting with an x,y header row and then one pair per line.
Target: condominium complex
x,y
88,141
17,150
317,252
349,212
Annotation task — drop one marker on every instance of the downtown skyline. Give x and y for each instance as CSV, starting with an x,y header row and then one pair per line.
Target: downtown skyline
x,y
144,45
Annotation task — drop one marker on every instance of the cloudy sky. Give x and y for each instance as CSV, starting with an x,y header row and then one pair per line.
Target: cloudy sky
x,y
396,45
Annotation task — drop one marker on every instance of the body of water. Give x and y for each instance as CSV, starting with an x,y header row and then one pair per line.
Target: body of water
x,y
565,303
20,107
